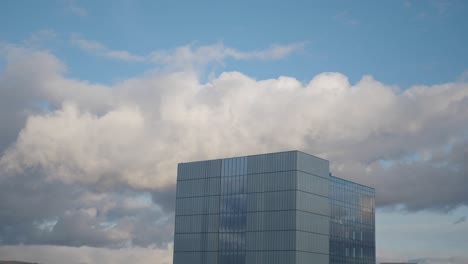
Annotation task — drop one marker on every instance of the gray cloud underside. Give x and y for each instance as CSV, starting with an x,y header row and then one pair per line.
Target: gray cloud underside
x,y
86,255
85,164
427,260
460,220
451,260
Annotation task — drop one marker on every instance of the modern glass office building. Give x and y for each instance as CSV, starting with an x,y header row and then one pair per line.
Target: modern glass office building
x,y
352,222
277,208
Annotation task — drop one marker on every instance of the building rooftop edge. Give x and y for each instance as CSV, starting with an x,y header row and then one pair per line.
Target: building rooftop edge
x,y
277,152
259,154
367,186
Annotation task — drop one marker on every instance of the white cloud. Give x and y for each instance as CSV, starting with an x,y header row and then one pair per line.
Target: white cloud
x,y
89,148
38,38
464,76
189,56
101,50
346,18
45,83
199,55
72,7
151,117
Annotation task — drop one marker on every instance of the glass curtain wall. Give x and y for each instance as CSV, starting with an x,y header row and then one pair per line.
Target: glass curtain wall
x,y
233,211
197,213
277,208
352,222
271,207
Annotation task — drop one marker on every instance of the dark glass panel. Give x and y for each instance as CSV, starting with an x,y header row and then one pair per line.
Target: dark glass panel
x,y
352,214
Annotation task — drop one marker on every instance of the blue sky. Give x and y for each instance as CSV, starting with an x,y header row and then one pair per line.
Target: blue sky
x,y
398,42
246,77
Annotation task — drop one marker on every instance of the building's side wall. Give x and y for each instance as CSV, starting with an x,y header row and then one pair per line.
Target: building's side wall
x,y
271,204
197,213
237,210
352,223
313,211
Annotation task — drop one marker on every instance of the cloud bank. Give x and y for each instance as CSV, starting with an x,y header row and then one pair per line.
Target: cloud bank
x,y
90,165
86,255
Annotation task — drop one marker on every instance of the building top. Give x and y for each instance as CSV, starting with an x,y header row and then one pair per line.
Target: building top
x,y
351,182
301,164
260,154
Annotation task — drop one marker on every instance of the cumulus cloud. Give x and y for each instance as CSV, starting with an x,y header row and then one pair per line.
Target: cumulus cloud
x,y
97,165
35,211
21,96
355,126
91,149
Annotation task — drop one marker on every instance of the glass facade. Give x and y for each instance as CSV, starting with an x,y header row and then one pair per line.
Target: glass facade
x,y
352,222
233,211
196,238
264,209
